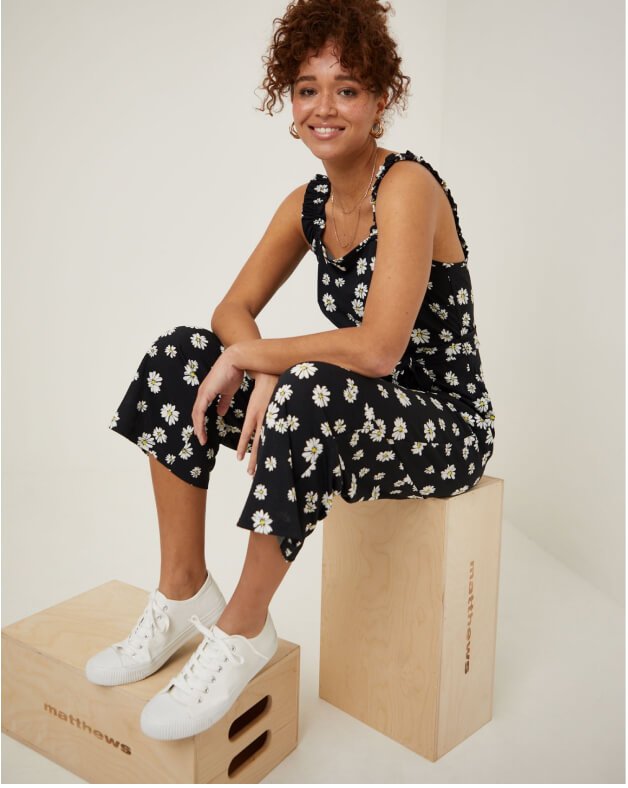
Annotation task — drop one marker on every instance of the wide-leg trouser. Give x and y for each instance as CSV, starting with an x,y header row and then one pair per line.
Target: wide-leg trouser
x,y
326,431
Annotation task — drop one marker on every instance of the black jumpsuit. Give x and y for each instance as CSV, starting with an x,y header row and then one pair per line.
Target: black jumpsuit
x,y
426,430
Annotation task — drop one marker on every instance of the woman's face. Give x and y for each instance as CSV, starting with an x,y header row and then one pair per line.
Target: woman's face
x,y
326,97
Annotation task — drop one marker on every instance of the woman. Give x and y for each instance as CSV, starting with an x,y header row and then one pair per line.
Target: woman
x,y
390,403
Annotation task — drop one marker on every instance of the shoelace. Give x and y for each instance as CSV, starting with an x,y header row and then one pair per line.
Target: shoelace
x,y
208,659
153,617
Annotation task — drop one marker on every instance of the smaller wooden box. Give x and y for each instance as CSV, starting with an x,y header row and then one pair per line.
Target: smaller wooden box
x,y
409,614
48,703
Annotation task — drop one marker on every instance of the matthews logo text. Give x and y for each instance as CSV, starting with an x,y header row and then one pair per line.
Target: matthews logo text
x,y
61,715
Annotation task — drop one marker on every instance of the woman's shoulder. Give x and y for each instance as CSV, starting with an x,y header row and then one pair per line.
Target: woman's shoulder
x,y
402,173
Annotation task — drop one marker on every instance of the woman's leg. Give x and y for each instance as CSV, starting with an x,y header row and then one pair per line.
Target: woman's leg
x,y
264,569
181,515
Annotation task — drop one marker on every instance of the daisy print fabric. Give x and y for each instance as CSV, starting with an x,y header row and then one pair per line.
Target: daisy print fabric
x,y
426,430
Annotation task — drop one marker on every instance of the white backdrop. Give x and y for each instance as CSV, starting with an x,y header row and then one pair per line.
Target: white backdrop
x,y
137,179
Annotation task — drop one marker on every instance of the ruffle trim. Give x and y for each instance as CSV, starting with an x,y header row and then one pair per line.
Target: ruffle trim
x,y
395,157
317,194
313,210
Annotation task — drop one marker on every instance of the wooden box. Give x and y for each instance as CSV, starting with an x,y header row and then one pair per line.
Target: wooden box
x,y
408,614
93,731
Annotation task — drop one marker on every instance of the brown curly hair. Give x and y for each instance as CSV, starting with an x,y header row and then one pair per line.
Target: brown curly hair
x,y
357,27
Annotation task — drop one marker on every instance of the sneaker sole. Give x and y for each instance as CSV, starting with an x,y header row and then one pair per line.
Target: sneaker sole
x,y
114,677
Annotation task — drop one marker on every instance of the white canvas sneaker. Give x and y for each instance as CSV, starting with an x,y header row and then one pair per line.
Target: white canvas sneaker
x,y
162,629
209,683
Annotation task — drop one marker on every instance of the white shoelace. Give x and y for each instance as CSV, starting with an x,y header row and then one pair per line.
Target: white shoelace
x,y
153,617
205,662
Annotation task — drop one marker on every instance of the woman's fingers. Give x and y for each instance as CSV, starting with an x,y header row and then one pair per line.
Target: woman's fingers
x,y
198,415
247,429
253,459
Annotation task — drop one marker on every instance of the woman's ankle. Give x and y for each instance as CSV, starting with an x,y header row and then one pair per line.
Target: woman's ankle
x,y
179,587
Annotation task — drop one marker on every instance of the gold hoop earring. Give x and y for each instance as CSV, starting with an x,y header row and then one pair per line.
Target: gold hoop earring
x,y
293,132
377,130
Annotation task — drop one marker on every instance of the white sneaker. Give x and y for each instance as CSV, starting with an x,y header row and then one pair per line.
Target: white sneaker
x,y
162,629
209,683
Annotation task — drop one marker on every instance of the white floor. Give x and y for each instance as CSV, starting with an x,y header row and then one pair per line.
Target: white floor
x,y
559,684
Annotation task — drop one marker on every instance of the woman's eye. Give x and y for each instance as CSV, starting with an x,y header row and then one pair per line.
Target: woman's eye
x,y
306,91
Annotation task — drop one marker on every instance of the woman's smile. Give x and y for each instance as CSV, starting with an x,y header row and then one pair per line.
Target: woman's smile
x,y
326,132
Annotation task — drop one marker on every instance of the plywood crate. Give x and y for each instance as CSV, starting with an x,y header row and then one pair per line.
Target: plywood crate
x,y
93,731
409,613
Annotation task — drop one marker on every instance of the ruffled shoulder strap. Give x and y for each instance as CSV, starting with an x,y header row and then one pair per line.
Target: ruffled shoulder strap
x,y
313,210
391,159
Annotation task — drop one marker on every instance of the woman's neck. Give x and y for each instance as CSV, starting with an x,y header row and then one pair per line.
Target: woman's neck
x,y
350,177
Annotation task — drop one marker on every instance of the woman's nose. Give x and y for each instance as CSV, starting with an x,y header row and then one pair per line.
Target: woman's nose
x,y
326,104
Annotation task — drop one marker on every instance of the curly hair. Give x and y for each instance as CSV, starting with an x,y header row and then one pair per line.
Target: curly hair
x,y
359,30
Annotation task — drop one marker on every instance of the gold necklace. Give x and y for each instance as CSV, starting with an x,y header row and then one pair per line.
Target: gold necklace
x,y
333,214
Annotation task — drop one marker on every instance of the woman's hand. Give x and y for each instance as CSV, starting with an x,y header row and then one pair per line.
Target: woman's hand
x,y
254,418
223,379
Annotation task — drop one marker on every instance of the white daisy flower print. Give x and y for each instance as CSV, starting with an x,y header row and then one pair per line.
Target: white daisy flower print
x,y
170,351
449,472
313,449
361,266
199,341
292,422
429,430
281,425
403,398
154,382
187,432
142,406
159,433
115,419
358,307
271,415
351,391
400,429
304,370
262,522
190,375
261,491
462,296
146,441
169,413
329,302
186,452
270,463
283,393
152,351
321,395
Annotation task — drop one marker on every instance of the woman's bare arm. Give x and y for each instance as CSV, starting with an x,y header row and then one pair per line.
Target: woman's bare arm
x,y
406,219
272,262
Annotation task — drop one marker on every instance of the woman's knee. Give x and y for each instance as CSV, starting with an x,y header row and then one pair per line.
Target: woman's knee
x,y
188,339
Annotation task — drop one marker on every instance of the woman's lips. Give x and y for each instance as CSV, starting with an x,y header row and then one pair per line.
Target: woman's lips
x,y
328,135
